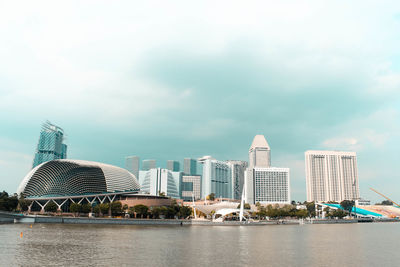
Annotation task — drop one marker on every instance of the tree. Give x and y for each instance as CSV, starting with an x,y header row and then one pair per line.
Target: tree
x,y
211,197
51,207
116,208
86,208
24,204
386,203
262,212
347,205
7,202
310,208
125,207
246,206
155,212
184,211
75,208
103,208
301,214
338,213
141,210
161,194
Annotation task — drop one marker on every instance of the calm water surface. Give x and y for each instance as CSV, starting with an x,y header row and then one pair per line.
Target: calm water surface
x,y
281,245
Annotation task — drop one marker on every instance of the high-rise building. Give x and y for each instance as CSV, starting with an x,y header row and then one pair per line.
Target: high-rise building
x,y
173,165
265,184
238,168
331,176
189,166
159,181
217,178
259,153
50,145
132,164
149,164
191,187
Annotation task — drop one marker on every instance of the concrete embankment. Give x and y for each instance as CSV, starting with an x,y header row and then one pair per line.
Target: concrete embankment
x,y
112,221
20,218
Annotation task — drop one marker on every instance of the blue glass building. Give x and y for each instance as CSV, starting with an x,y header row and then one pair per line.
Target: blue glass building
x,y
50,145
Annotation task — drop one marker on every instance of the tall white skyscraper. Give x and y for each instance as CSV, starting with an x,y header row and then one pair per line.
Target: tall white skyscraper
x,y
173,165
149,164
132,165
189,166
259,153
217,178
331,176
238,168
156,181
265,184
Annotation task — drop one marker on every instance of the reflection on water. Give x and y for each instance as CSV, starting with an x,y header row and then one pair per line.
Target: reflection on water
x,y
280,245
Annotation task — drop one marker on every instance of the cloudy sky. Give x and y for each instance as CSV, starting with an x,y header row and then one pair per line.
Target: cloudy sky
x,y
175,79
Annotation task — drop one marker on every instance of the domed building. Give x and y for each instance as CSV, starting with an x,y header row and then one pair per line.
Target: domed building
x,y
64,181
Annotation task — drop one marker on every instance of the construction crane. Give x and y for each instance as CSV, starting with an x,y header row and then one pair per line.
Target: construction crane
x,y
385,197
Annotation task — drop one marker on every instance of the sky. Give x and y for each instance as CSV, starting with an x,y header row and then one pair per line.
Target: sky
x,y
175,79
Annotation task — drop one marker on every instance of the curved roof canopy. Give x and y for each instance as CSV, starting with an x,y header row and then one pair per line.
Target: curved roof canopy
x,y
65,177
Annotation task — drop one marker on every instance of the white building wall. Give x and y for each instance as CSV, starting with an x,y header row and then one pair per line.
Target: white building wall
x,y
217,178
331,176
156,181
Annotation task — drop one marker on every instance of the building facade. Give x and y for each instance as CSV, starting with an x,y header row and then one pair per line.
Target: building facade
x,y
189,166
238,169
263,183
50,145
149,164
160,182
191,187
331,176
173,165
259,153
217,178
132,164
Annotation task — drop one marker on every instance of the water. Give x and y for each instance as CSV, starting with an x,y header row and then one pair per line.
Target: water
x,y
272,245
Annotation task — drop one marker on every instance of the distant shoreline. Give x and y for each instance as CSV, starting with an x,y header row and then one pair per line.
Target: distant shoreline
x,y
123,221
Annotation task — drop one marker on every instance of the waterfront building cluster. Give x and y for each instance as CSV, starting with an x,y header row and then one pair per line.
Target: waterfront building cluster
x,y
330,176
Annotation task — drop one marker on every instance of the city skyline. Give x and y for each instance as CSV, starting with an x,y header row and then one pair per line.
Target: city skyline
x,y
188,82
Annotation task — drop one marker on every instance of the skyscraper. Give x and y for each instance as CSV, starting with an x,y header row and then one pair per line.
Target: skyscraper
x,y
217,178
50,145
173,165
331,176
189,166
159,181
238,168
265,184
148,164
132,164
259,153
191,187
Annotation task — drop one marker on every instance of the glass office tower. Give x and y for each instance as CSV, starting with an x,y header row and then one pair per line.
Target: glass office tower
x,y
50,145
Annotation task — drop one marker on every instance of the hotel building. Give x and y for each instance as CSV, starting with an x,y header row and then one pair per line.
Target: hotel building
x,y
331,176
263,183
217,178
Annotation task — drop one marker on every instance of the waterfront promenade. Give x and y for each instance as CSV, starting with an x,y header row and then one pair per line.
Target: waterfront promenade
x,y
19,218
